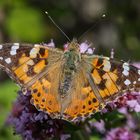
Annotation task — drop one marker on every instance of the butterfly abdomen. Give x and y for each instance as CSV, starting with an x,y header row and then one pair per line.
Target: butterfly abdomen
x,y
65,83
71,59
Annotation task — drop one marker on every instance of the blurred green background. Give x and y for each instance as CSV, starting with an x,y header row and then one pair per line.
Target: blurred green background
x,y
26,21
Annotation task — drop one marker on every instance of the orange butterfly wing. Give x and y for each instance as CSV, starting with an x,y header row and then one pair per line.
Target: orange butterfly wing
x,y
45,94
115,77
28,65
23,61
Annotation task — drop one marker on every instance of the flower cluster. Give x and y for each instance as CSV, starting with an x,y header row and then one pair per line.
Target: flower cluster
x,y
120,134
32,124
130,100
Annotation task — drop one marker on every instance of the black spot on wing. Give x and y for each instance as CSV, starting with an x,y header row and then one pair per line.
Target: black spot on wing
x,y
101,72
42,51
30,71
102,85
113,67
99,62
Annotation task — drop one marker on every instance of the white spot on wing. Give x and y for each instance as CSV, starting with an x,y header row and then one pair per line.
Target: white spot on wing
x,y
17,44
13,52
126,66
139,72
33,52
107,66
134,82
14,49
125,72
139,79
1,58
1,46
127,82
36,45
8,60
107,58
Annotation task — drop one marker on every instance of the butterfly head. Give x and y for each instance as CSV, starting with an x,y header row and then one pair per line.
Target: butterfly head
x,y
74,46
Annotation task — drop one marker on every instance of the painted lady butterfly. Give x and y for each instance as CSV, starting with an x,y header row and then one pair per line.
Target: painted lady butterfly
x,y
67,84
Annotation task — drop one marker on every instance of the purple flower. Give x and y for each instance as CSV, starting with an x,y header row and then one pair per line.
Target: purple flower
x,y
65,136
84,48
130,101
120,134
133,104
32,124
65,46
137,65
50,44
99,125
131,122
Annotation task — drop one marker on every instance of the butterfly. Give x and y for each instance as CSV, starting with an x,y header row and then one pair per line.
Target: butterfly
x,y
67,84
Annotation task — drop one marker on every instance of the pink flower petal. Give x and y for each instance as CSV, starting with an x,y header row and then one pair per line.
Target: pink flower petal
x,y
83,47
132,103
51,44
137,108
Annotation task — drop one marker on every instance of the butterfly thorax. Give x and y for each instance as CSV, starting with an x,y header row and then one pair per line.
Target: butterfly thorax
x,y
71,59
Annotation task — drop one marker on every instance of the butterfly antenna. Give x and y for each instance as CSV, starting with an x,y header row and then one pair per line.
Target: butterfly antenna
x,y
57,26
103,16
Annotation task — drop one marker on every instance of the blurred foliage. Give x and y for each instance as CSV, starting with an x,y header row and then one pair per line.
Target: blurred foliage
x,y
25,28
7,95
25,21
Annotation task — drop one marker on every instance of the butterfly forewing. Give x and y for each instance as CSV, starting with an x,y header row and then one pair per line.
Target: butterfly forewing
x,y
23,62
113,79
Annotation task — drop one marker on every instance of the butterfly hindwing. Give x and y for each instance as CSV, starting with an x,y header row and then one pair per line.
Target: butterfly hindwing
x,y
43,99
83,106
45,95
83,102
